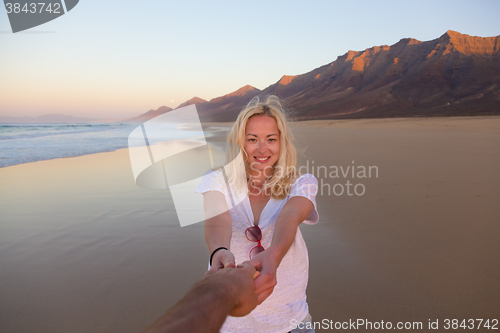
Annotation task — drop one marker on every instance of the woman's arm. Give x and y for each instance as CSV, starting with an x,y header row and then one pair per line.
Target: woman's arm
x,y
218,229
291,216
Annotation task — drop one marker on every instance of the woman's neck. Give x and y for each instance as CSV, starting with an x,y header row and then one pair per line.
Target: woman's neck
x,y
256,185
259,179
260,176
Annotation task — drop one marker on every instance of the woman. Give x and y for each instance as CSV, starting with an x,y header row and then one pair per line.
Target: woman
x,y
263,225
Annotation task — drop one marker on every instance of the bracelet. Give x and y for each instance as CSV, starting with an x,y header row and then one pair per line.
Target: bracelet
x,y
217,249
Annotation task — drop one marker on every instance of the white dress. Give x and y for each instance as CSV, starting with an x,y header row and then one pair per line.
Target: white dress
x,y
288,300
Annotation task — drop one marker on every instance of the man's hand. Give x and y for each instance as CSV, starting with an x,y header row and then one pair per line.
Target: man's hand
x,y
239,283
266,263
246,296
228,291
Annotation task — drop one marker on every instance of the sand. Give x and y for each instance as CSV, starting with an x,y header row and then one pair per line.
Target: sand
x,y
83,249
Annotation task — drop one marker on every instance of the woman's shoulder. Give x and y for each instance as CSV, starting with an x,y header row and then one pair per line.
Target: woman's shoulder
x,y
306,183
211,180
212,175
305,178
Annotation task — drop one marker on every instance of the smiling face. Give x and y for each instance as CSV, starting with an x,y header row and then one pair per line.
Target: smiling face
x,y
262,144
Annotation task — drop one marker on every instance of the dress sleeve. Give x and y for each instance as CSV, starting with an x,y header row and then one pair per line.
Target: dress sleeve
x,y
212,180
307,186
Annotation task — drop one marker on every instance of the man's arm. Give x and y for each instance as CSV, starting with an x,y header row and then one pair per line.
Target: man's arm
x,y
291,216
205,307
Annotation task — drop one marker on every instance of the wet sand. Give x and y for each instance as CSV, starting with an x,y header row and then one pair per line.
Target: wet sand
x,y
83,249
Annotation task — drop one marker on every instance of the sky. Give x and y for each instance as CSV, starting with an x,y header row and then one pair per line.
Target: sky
x,y
119,58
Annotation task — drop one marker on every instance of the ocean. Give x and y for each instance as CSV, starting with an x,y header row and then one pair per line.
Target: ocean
x,y
24,143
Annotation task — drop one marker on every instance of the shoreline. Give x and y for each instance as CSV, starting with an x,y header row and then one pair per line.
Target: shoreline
x,y
63,158
365,122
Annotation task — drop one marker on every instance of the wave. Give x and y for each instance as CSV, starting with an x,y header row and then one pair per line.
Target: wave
x,y
29,146
29,131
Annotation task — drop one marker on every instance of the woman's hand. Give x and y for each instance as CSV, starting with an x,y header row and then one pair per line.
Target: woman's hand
x,y
266,263
222,259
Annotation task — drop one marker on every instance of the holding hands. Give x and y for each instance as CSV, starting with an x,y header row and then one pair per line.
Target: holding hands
x,y
265,265
238,283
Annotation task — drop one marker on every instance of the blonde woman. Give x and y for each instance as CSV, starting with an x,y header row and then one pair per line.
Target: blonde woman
x,y
262,227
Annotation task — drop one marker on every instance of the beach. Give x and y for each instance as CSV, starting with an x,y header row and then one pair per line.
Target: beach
x,y
415,237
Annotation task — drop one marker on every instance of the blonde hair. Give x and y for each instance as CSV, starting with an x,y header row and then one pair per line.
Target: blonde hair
x,y
284,171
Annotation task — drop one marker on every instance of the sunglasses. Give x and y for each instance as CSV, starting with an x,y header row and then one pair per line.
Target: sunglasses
x,y
254,234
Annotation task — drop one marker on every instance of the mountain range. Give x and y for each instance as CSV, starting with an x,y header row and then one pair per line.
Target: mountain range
x,y
453,75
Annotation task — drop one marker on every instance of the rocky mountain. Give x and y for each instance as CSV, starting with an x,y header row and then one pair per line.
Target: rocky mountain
x,y
148,115
453,75
194,100
227,107
224,108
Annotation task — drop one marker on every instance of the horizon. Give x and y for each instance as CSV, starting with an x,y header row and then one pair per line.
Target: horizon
x,y
113,69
